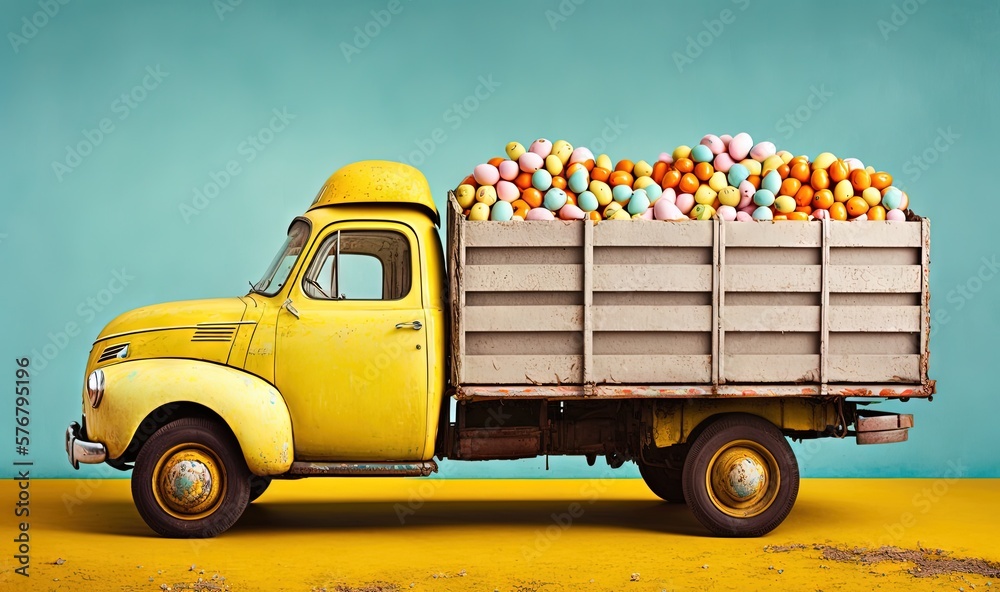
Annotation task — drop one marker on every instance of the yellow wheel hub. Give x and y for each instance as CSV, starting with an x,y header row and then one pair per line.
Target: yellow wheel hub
x,y
742,479
189,481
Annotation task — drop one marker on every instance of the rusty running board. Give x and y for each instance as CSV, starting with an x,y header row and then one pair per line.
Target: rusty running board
x,y
878,427
366,469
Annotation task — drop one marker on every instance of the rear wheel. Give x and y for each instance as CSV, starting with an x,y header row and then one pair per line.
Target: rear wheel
x,y
258,485
190,480
740,477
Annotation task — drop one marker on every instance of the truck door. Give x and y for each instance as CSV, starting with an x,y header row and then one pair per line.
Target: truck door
x,y
351,348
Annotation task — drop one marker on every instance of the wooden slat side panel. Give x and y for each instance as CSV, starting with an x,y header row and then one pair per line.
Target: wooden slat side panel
x,y
523,369
658,234
753,368
776,278
771,318
456,288
879,319
523,278
651,369
516,318
874,368
772,234
875,234
653,318
653,278
533,233
875,278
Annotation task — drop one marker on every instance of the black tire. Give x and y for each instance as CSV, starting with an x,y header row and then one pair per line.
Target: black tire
x,y
757,491
215,498
663,482
258,485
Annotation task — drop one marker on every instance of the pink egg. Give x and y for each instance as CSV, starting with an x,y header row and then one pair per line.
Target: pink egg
x,y
860,218
507,191
666,210
726,139
743,217
821,214
509,170
853,164
670,195
722,162
539,214
714,143
746,194
570,212
740,146
666,157
685,202
747,209
486,174
530,162
727,213
895,215
762,151
581,154
541,147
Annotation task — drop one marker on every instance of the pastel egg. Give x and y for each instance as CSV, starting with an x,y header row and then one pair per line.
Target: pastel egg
x,y
665,157
823,160
642,169
507,191
602,191
681,152
666,210
763,213
571,212
718,181
514,150
581,154
764,198
771,182
843,191
895,215
486,194
746,193
604,161
737,173
785,156
553,164
892,198
752,165
714,143
539,214
479,211
762,150
587,201
530,162
684,202
821,214
853,164
501,211
541,147
784,204
771,163
722,162
509,170
670,195
702,212
647,215
555,199
621,193
654,192
486,174
726,139
578,181
727,213
465,195
562,150
701,153
743,217
643,182
740,145
620,214
729,196
638,203
705,195
612,209
541,180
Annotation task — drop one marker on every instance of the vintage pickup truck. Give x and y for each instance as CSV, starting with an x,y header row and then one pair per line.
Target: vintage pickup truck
x,y
694,349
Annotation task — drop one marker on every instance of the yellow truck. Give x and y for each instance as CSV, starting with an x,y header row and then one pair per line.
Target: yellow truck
x,y
693,349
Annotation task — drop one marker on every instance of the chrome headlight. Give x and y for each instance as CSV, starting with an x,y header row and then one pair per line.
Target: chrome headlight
x,y
95,387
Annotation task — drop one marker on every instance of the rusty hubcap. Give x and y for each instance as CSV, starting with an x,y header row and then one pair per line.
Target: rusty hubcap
x,y
742,479
189,481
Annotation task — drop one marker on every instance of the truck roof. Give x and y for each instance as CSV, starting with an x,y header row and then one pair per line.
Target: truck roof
x,y
377,181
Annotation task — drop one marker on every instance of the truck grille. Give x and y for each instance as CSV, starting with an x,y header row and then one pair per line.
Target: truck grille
x,y
212,332
119,350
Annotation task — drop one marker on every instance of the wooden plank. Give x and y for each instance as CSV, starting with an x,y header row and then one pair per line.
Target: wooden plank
x,y
531,233
588,303
653,234
875,234
523,318
773,278
753,368
523,369
875,278
646,369
523,278
652,278
653,318
824,305
925,294
772,234
875,318
771,318
456,266
874,368
718,268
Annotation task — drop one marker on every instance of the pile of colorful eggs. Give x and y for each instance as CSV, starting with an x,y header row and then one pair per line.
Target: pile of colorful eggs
x,y
727,177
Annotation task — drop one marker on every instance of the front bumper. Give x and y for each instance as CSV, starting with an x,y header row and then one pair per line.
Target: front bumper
x,y
82,451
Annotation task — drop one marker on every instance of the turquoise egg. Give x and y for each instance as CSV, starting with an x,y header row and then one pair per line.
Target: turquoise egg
x,y
737,174
771,182
555,198
763,214
654,192
541,180
578,181
701,153
587,201
763,198
501,211
892,199
621,193
639,202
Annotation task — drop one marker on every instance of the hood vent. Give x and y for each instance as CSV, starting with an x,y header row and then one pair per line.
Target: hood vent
x,y
119,350
222,332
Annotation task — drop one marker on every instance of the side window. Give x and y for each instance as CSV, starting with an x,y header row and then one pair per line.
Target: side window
x,y
360,265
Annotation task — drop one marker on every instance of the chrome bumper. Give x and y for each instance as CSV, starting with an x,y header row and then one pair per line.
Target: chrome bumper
x,y
82,451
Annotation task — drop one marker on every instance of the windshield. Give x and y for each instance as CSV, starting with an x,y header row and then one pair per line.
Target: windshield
x,y
277,272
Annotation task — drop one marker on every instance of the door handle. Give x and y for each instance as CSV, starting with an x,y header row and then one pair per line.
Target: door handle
x,y
415,325
287,304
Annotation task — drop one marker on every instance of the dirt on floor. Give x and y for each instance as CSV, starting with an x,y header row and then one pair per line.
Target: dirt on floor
x,y
926,562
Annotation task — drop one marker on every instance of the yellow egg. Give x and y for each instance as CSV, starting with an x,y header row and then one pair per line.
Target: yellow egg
x,y
604,161
784,204
872,196
465,195
682,152
479,211
871,170
642,169
705,195
771,163
786,156
823,160
562,149
621,215
514,150
752,165
718,181
703,212
643,182
602,191
553,165
843,191
487,195
612,209
729,196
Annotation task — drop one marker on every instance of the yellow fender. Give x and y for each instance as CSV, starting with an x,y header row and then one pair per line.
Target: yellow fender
x,y
253,409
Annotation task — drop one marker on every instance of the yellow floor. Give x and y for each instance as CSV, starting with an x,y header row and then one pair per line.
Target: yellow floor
x,y
392,535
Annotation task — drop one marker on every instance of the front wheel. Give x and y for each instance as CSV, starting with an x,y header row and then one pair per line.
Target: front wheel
x,y
740,477
190,480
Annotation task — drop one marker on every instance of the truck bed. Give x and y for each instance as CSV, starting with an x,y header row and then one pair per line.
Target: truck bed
x,y
578,309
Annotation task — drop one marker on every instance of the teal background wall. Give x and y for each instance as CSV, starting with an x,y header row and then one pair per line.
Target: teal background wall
x,y
908,86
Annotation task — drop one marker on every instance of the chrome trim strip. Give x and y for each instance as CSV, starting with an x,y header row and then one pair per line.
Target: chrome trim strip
x,y
174,328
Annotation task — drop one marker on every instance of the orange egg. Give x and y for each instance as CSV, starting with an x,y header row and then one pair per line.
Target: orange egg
x,y
589,164
600,174
838,211
576,166
856,206
495,161
823,200
804,196
671,179
797,159
703,171
689,183
876,213
625,165
838,171
523,181
881,180
860,180
570,197
559,182
532,197
804,209
789,186
684,165
659,169
519,203
820,179
470,180
754,180
783,171
800,171
620,177
780,217
797,216
595,216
